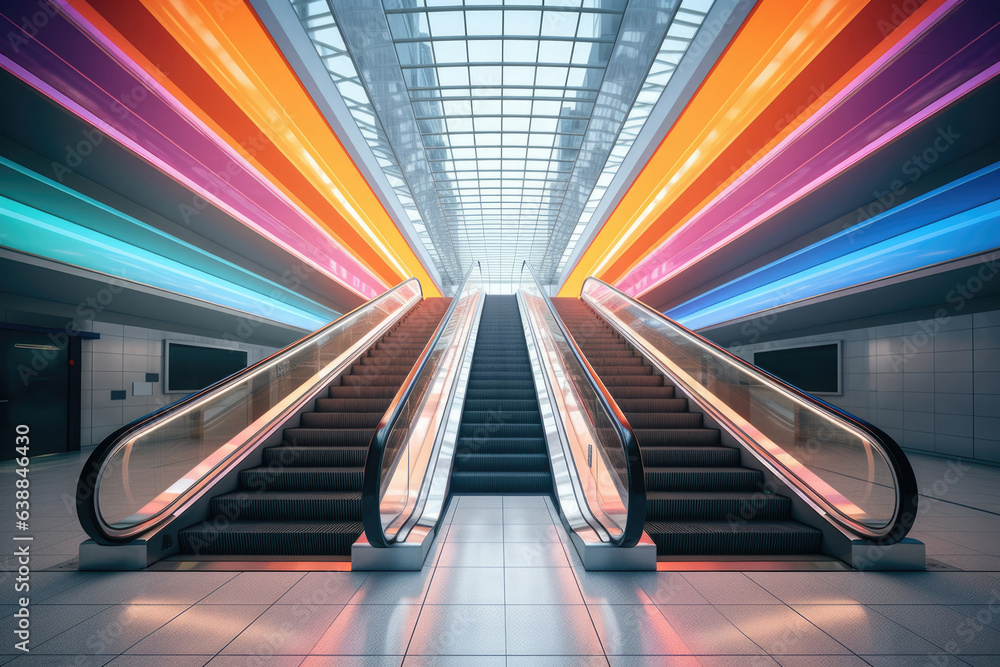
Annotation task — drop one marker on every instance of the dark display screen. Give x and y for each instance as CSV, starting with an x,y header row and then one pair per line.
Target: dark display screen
x,y
193,367
814,369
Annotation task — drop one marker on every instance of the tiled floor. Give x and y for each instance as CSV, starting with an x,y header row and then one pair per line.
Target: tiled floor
x,y
502,586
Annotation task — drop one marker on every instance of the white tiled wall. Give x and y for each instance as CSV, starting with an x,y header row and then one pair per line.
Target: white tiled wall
x,y
933,385
121,356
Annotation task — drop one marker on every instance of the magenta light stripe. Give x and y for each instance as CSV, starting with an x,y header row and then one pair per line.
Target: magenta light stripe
x,y
639,279
293,230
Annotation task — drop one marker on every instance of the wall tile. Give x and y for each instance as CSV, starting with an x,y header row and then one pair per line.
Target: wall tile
x,y
953,322
958,425
954,404
889,330
136,332
889,363
986,405
953,362
987,450
990,319
987,383
889,419
987,360
107,417
917,401
919,362
889,382
917,440
918,421
858,348
109,344
133,413
135,346
950,341
857,364
954,445
859,382
107,380
134,362
987,428
889,400
888,346
952,383
108,328
984,338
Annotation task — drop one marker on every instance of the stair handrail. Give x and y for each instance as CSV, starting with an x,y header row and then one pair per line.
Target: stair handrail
x,y
904,480
635,475
395,302
375,469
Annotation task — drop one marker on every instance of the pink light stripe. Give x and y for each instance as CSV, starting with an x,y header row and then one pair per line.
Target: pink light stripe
x,y
339,260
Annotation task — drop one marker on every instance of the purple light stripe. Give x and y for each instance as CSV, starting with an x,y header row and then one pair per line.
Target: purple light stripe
x,y
169,138
797,164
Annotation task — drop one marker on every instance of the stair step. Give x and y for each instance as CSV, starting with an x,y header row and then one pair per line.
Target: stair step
x,y
501,483
718,538
487,445
703,479
324,457
498,430
264,538
328,437
716,506
705,456
502,462
502,417
302,479
289,506
638,405
340,419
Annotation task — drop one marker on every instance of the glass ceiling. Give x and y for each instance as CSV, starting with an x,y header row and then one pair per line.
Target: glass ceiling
x,y
500,126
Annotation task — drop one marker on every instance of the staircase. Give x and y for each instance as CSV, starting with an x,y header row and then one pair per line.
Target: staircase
x,y
501,446
305,499
700,500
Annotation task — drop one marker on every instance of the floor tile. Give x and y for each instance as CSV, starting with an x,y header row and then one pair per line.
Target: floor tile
x,y
47,621
466,585
612,588
455,661
474,533
393,588
729,588
354,661
946,628
557,661
864,630
459,630
477,515
157,660
478,501
530,533
471,554
368,630
668,588
253,588
526,515
257,660
319,588
636,629
524,501
542,585
551,630
285,630
704,630
822,661
799,588
201,629
534,554
113,631
779,630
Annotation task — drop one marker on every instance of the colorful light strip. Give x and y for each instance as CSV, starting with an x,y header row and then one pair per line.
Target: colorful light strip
x,y
90,83
39,233
877,109
968,232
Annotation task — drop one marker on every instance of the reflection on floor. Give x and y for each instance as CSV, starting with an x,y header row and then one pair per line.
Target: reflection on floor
x,y
503,584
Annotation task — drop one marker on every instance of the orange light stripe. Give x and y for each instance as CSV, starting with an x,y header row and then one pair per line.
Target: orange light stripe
x,y
775,44
864,37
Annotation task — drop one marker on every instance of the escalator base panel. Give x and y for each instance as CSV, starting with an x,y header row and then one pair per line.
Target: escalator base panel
x,y
271,538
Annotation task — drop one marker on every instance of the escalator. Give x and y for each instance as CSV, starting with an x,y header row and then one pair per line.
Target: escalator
x,y
501,447
268,461
699,499
305,497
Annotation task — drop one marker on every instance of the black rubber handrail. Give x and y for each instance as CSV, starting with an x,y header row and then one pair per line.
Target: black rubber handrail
x,y
86,487
371,500
906,482
635,517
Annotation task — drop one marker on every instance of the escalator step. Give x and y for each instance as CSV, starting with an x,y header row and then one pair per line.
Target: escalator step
x,y
479,462
679,437
625,393
664,420
394,381
493,405
499,430
707,456
378,405
709,538
340,419
631,381
500,482
342,392
302,479
717,506
501,417
637,405
487,445
703,479
271,538
488,393
328,437
324,457
289,506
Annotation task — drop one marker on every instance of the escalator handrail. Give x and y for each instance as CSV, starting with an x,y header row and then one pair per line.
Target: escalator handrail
x,y
635,518
90,475
372,484
906,481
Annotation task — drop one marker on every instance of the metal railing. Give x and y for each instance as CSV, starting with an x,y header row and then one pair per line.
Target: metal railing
x,y
401,449
153,468
603,448
855,473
